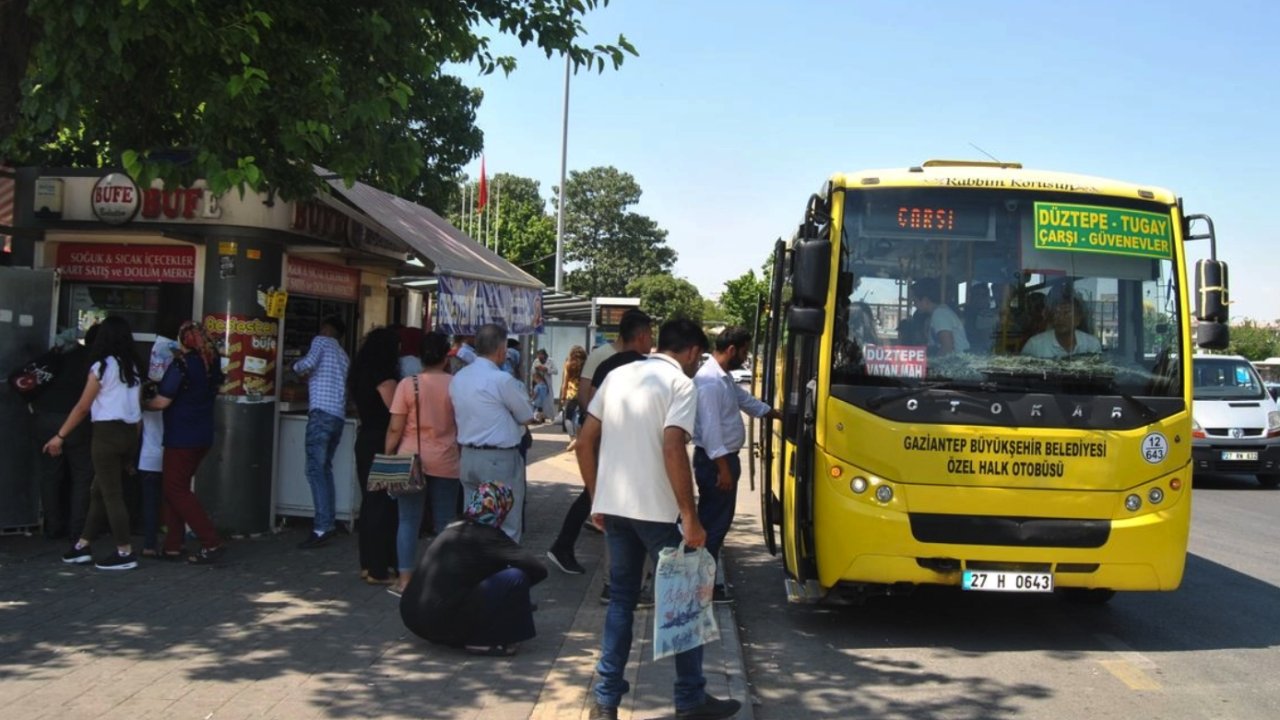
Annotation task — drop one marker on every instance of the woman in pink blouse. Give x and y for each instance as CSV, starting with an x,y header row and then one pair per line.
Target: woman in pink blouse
x,y
430,431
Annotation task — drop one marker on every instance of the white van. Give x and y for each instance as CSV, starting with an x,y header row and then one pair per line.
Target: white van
x,y
1235,426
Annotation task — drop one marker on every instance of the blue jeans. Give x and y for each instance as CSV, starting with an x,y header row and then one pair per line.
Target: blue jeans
x,y
444,510
715,506
323,433
628,542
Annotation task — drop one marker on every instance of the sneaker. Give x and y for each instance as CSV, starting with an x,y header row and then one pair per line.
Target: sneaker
x,y
603,712
77,556
721,595
315,540
116,561
565,561
711,709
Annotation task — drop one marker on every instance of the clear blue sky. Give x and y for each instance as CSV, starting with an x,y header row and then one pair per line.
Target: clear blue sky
x,y
734,112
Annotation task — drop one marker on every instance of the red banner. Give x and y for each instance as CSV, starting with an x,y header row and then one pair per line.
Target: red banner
x,y
88,262
320,280
249,349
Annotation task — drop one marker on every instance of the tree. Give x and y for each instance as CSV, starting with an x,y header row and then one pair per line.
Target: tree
x,y
252,94
666,297
613,245
1253,341
525,234
740,296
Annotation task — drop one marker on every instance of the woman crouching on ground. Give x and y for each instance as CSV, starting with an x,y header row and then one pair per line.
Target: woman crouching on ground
x,y
471,588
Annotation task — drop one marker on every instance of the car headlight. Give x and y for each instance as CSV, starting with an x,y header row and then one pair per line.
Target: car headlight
x,y
1273,423
1198,432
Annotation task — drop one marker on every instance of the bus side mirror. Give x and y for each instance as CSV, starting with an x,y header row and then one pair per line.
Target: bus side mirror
x,y
806,321
811,271
1211,291
1212,335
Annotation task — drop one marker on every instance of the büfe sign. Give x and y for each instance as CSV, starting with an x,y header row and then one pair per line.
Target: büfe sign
x,y
127,263
320,280
899,361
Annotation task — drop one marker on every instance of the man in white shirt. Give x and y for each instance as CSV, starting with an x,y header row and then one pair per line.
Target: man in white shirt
x,y
718,436
946,331
631,452
1064,337
491,409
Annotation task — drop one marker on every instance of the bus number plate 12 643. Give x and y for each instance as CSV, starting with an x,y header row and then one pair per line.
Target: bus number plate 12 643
x,y
992,581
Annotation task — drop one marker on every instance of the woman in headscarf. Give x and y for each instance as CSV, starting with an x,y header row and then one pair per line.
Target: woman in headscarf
x,y
471,587
186,394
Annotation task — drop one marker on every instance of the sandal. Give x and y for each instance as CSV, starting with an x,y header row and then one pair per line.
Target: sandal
x,y
169,556
206,556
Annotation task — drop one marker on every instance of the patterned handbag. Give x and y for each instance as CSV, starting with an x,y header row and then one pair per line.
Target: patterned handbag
x,y
400,474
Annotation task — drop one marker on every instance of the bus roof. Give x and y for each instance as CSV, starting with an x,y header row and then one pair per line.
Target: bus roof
x,y
970,174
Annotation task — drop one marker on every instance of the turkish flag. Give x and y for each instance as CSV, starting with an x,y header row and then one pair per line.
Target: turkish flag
x,y
483,194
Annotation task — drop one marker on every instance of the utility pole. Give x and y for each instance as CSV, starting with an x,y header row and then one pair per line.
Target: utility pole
x,y
564,155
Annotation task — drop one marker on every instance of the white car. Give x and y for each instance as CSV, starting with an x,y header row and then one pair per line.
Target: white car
x,y
741,375
1235,425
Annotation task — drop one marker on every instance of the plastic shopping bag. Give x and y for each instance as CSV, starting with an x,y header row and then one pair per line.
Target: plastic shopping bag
x,y
683,617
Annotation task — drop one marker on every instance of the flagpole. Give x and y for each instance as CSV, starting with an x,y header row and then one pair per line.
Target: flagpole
x,y
471,213
462,217
564,154
497,208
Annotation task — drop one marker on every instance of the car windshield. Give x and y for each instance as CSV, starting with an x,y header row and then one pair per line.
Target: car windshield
x,y
1225,379
1006,290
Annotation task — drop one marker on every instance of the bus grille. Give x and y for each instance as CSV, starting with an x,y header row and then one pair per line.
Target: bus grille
x,y
1009,531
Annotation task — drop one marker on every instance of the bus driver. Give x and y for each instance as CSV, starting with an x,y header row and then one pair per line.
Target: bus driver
x,y
1063,338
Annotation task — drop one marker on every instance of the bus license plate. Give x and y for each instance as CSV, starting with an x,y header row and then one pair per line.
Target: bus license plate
x,y
1239,455
1007,581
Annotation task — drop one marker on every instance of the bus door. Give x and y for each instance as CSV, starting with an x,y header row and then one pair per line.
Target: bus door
x,y
808,278
766,356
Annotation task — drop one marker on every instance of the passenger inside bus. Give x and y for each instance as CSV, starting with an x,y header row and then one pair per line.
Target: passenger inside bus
x,y
1065,336
946,333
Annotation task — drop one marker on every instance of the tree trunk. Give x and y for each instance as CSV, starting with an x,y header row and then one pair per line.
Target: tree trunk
x,y
16,31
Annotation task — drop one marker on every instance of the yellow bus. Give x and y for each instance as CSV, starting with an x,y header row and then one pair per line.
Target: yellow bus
x,y
984,378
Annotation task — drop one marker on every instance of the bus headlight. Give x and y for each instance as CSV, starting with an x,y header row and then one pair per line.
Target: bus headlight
x,y
884,493
1132,503
858,485
1156,496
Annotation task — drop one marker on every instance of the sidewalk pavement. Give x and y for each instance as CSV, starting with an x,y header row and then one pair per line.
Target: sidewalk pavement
x,y
276,632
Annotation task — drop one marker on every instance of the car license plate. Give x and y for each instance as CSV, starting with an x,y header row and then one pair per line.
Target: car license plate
x,y
1239,455
1007,581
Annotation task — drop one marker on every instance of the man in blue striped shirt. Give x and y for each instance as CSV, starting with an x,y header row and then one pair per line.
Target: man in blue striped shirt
x,y
325,368
718,436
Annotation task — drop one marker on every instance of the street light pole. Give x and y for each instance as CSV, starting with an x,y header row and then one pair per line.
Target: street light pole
x,y
564,154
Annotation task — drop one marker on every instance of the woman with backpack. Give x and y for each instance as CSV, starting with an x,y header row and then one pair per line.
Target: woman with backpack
x,y
186,395
112,399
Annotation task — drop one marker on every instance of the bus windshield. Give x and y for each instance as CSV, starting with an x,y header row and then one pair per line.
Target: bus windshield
x,y
1006,291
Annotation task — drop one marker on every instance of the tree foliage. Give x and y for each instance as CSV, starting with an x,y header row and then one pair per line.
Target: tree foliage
x,y
519,225
740,296
252,94
1253,341
611,244
667,298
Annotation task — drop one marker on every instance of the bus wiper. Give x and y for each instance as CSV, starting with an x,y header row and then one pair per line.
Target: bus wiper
x,y
879,402
1147,412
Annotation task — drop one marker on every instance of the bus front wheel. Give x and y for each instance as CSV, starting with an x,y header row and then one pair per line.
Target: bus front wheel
x,y
1088,596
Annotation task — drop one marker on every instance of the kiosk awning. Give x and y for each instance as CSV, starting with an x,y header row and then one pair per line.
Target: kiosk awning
x,y
444,247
